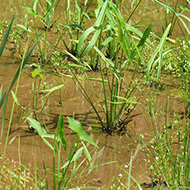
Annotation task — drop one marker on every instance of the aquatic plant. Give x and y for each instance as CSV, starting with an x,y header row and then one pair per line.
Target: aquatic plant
x,y
74,24
18,178
177,16
4,97
47,20
169,147
62,178
116,103
49,9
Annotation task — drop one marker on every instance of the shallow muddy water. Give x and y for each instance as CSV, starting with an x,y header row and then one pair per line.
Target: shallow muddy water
x,y
146,12
113,147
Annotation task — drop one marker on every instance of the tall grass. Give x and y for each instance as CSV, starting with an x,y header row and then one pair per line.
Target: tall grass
x,y
177,16
18,179
129,43
4,97
117,47
169,148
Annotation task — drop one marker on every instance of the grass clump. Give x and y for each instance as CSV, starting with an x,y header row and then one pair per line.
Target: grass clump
x,y
168,151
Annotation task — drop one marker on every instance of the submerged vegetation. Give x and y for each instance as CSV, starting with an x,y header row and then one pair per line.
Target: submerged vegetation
x,y
102,41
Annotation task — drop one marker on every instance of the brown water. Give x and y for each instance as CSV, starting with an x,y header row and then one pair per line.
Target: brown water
x,y
146,13
112,147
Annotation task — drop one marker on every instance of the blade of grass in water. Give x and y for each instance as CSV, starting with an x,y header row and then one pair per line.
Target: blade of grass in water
x,y
6,93
159,50
96,28
178,15
6,37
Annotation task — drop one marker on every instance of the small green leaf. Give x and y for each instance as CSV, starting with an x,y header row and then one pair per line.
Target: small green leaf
x,y
74,26
24,27
37,126
78,128
74,158
145,36
35,73
52,89
60,131
41,131
15,98
87,153
32,12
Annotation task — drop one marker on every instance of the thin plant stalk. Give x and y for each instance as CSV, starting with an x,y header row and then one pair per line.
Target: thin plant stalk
x,y
13,105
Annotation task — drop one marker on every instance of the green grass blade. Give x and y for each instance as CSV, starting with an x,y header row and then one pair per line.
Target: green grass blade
x,y
20,68
96,28
177,14
24,63
15,98
85,94
29,10
83,38
6,37
51,6
125,25
72,26
52,89
158,49
6,93
24,27
1,90
3,97
60,131
87,153
145,36
141,43
34,4
3,119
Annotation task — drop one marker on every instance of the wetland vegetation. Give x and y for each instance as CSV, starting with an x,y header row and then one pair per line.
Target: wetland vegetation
x,y
96,96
